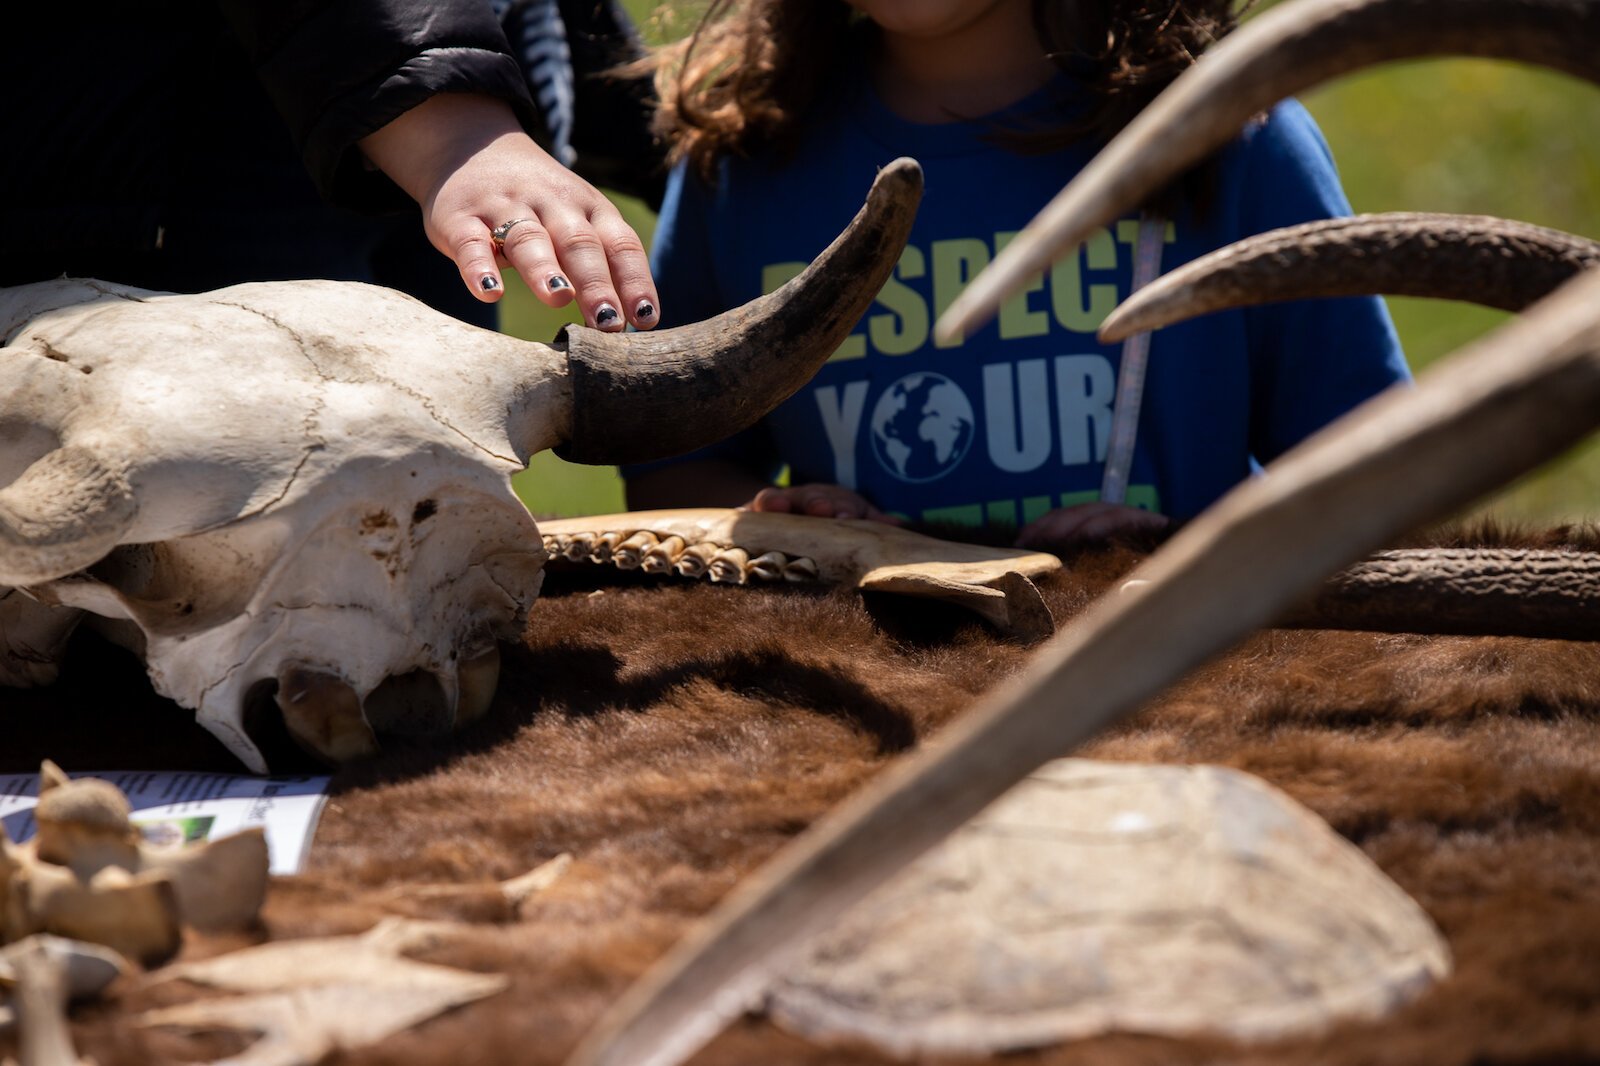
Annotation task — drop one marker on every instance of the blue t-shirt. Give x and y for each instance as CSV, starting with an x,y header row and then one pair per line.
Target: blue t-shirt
x,y
1012,420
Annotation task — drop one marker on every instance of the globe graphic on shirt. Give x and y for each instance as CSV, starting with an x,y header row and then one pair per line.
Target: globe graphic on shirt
x,y
922,427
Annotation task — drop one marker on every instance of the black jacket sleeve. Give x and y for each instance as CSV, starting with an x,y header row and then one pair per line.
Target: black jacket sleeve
x,y
611,131
338,70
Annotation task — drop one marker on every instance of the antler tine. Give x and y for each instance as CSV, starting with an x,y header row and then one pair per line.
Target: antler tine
x,y
1506,404
1483,260
1286,50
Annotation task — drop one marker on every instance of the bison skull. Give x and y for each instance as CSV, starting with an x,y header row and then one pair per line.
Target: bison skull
x,y
299,490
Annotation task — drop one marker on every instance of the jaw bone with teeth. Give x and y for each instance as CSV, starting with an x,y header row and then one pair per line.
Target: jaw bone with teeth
x,y
740,547
298,491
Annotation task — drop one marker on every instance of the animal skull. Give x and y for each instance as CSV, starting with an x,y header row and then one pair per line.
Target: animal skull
x,y
299,490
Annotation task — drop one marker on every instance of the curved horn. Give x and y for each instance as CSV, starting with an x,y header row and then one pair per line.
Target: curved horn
x,y
638,396
1284,51
65,512
1509,402
1482,260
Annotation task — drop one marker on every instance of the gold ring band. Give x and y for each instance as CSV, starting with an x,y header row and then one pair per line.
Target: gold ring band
x,y
500,231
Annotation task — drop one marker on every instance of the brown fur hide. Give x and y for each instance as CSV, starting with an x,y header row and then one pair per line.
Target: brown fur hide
x,y
672,736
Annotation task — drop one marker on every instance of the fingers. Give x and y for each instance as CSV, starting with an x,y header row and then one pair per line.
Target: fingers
x,y
819,501
1069,526
473,252
528,247
607,264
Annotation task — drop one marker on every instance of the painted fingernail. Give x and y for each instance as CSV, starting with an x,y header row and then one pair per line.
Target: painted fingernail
x,y
644,312
489,283
557,283
605,315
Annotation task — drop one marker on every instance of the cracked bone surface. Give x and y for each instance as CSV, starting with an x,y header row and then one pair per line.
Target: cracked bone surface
x,y
301,485
738,547
88,874
1098,897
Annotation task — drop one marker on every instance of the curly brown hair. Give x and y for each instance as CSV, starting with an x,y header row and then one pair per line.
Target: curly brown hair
x,y
742,80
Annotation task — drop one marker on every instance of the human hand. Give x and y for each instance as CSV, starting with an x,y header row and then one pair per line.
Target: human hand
x,y
821,501
1072,526
465,159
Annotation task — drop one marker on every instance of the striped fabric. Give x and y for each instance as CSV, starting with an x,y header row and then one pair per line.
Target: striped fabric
x,y
539,41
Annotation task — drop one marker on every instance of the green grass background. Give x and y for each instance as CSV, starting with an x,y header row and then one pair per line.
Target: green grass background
x,y
1469,136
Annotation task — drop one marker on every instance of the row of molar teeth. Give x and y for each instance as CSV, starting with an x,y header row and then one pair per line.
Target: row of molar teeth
x,y
645,551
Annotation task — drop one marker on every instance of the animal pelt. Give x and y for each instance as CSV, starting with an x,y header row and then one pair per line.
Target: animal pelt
x,y
671,736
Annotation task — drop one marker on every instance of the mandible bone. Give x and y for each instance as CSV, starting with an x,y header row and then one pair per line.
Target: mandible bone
x,y
298,491
734,547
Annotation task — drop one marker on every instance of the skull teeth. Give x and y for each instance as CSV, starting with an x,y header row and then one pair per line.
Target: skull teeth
x,y
768,567
730,566
477,677
696,560
663,558
323,714
644,550
604,547
631,552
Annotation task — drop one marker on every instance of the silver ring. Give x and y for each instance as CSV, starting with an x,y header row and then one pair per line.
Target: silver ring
x,y
500,231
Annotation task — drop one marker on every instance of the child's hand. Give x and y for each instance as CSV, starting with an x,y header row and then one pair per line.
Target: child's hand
x,y
821,501
472,168
1067,527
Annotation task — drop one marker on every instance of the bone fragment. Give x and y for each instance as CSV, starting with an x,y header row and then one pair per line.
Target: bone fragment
x,y
220,885
88,874
518,890
134,915
632,551
869,555
1100,897
83,825
729,566
515,891
41,991
88,969
311,997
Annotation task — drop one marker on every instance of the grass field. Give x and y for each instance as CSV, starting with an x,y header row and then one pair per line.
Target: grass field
x,y
1449,135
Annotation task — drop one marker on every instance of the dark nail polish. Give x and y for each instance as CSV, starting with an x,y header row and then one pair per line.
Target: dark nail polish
x,y
489,283
645,311
605,315
557,283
